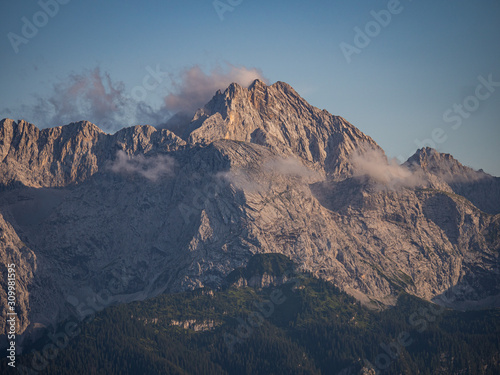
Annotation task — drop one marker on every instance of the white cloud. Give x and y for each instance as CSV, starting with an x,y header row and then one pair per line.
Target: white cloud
x,y
95,97
387,173
90,96
272,171
151,168
193,88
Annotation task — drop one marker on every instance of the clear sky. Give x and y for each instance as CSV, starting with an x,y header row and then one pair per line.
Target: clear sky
x,y
419,72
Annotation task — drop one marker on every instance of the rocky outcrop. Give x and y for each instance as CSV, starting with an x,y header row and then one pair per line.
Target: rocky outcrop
x,y
195,325
192,324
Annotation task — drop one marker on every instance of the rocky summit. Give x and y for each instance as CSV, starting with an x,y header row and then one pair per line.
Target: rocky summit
x,y
92,219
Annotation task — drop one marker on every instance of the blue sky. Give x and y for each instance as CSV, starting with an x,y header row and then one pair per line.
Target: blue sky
x,y
427,61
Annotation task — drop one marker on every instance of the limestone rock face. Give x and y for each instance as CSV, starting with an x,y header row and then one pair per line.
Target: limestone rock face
x,y
277,117
69,154
92,219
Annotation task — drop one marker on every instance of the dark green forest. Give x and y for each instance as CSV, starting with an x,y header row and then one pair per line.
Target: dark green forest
x,y
302,326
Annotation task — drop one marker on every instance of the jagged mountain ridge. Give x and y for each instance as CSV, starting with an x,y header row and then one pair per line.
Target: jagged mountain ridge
x,y
70,154
274,116
448,174
76,214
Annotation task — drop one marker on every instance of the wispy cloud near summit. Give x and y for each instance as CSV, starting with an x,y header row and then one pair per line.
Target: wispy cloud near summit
x,y
193,88
90,95
151,168
94,96
386,173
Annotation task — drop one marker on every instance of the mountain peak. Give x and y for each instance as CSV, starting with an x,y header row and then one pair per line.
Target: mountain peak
x,y
87,128
257,83
234,88
427,153
283,86
432,161
277,117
